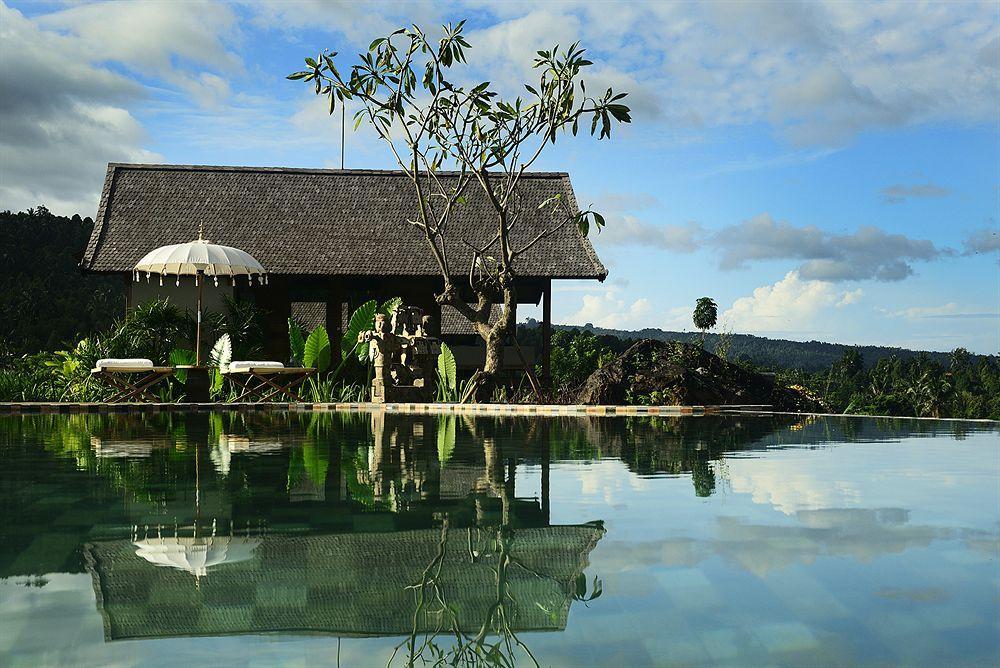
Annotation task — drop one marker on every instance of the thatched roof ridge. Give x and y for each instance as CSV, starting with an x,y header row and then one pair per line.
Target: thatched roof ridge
x,y
328,222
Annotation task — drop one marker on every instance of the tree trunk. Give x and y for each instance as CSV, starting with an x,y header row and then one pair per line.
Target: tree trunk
x,y
484,381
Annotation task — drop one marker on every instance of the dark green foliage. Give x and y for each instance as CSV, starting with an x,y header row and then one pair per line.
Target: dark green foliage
x,y
762,353
243,321
152,330
576,355
706,313
46,301
919,386
910,384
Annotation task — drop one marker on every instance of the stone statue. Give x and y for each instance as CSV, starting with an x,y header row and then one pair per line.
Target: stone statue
x,y
404,356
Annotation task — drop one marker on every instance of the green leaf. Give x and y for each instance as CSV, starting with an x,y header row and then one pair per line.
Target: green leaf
x,y
217,381
181,357
316,462
316,353
298,75
361,320
389,306
222,352
447,368
446,437
296,341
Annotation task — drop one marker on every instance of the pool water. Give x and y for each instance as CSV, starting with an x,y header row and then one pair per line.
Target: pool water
x,y
355,539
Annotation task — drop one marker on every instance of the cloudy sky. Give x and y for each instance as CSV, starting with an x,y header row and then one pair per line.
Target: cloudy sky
x,y
825,171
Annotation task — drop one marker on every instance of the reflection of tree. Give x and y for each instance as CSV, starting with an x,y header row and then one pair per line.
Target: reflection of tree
x,y
495,642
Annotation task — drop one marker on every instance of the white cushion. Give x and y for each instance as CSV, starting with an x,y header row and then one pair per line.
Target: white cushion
x,y
136,363
246,366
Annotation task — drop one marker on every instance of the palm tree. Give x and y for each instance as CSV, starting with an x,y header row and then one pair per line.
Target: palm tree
x,y
706,313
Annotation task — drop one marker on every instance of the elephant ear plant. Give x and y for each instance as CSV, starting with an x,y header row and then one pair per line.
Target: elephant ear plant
x,y
220,357
315,350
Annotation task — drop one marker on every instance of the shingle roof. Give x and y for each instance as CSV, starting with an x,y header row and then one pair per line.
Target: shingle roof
x,y
454,323
317,221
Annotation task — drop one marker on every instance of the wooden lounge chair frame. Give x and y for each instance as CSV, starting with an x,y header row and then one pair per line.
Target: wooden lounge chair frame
x,y
265,383
118,378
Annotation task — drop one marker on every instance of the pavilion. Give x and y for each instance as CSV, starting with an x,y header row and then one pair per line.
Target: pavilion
x,y
329,238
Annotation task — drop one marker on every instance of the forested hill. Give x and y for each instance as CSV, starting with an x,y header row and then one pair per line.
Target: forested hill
x,y
46,301
808,356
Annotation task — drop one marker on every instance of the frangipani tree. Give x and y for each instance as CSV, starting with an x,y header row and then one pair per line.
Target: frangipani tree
x,y
404,89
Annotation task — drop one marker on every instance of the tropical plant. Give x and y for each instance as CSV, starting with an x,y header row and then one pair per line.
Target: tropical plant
x,y
219,358
181,357
316,351
705,315
243,321
447,425
296,342
447,376
402,89
363,319
574,356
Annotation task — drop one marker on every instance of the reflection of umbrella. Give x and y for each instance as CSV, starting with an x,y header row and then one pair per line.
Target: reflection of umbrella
x,y
199,259
195,554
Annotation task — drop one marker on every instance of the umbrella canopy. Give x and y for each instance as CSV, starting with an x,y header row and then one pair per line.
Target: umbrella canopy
x,y
200,257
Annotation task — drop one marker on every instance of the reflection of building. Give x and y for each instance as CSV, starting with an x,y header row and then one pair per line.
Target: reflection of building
x,y
105,447
344,584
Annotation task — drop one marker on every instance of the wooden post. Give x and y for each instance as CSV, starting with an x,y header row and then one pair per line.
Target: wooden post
x,y
199,279
333,312
547,333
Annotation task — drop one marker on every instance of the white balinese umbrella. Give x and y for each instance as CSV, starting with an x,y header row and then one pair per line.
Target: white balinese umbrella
x,y
200,258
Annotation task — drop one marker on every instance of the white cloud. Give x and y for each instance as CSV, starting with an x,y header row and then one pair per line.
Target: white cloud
x,y
625,229
867,253
819,73
180,43
852,297
62,120
898,193
950,310
791,304
608,309
986,240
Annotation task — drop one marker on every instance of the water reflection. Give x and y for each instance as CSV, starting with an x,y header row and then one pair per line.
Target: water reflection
x,y
453,538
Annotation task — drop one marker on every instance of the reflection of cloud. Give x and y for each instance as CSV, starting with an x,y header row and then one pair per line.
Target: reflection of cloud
x,y
786,488
860,534
918,595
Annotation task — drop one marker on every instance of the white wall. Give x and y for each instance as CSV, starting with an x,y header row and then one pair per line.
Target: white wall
x,y
184,296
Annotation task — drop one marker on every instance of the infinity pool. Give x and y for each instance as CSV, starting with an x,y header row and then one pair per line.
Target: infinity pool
x,y
360,539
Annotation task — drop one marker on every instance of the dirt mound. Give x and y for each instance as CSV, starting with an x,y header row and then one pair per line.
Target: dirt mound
x,y
674,373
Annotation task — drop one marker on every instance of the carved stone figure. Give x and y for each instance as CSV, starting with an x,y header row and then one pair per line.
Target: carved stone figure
x,y
404,356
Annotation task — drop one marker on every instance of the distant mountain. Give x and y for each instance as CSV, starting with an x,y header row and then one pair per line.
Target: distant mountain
x,y
763,352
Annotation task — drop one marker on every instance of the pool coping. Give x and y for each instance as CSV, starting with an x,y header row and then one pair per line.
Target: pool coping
x,y
41,407
415,408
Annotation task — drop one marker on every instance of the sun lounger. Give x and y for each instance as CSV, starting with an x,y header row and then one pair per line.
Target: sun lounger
x,y
263,381
119,374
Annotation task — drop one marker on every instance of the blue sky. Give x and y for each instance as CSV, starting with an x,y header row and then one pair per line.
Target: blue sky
x,y
825,171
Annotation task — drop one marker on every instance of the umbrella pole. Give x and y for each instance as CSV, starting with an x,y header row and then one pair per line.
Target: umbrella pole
x,y
197,339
